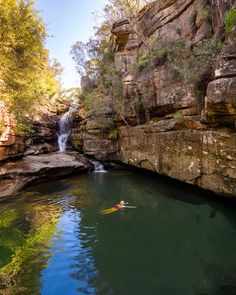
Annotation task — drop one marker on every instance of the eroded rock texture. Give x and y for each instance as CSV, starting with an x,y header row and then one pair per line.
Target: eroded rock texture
x,y
42,139
10,144
92,132
183,129
37,168
193,147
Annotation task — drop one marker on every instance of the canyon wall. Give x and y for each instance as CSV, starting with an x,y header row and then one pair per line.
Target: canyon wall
x,y
177,108
41,139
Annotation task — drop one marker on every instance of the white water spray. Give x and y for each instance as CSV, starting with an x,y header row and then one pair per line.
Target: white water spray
x,y
98,167
65,125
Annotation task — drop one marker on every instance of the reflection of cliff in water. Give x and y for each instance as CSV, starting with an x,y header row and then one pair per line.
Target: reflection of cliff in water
x,y
166,242
167,245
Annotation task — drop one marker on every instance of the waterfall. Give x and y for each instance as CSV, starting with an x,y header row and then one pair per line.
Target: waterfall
x,y
98,167
65,125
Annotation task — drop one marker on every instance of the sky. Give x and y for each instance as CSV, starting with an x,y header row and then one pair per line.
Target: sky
x,y
68,21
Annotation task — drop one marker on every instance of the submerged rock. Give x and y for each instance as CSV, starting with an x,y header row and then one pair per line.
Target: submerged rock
x,y
14,176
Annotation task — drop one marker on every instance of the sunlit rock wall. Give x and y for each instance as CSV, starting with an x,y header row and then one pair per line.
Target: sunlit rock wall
x,y
198,145
182,130
42,139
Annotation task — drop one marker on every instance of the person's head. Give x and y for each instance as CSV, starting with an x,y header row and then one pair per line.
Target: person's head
x,y
122,203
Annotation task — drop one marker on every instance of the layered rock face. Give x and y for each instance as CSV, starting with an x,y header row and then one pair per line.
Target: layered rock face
x,y
44,136
189,133
37,168
29,160
10,144
92,133
42,140
176,116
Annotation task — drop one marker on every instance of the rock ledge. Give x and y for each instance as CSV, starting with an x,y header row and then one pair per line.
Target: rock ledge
x,y
14,176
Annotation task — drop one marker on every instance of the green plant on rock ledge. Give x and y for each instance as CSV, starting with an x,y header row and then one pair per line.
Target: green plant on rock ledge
x,y
142,62
113,134
24,128
230,20
157,56
188,63
178,116
207,16
192,21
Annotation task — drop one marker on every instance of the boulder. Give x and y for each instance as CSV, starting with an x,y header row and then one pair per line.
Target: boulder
x,y
14,176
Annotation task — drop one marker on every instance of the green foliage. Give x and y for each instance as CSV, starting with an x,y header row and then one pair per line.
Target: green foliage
x,y
113,134
207,14
178,46
88,98
143,61
208,47
188,63
24,127
26,77
95,57
156,56
230,20
159,55
192,20
98,107
21,241
178,116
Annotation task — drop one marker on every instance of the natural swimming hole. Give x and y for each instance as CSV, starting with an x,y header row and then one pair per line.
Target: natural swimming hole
x,y
179,240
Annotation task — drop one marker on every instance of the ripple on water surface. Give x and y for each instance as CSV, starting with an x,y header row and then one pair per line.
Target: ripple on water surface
x,y
179,240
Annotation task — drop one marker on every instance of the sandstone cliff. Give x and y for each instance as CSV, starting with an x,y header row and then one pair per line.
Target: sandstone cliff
x,y
42,138
177,108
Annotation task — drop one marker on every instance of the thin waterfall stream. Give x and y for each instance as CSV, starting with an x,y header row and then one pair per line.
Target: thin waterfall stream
x,y
65,125
98,167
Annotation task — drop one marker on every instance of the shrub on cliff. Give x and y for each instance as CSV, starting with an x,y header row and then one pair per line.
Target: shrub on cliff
x,y
157,55
143,62
230,20
188,63
113,134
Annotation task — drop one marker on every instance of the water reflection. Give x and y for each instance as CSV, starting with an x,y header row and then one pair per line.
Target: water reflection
x,y
25,234
54,241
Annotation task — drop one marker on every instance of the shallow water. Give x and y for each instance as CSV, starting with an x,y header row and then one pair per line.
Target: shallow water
x,y
179,240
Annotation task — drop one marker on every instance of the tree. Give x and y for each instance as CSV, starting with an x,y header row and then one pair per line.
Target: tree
x,y
26,76
79,55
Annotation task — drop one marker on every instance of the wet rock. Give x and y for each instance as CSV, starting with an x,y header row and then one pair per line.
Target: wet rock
x,y
14,176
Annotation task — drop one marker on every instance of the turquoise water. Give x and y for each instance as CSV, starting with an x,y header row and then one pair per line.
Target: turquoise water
x,y
179,240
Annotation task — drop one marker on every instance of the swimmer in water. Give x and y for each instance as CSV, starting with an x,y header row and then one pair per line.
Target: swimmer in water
x,y
117,207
